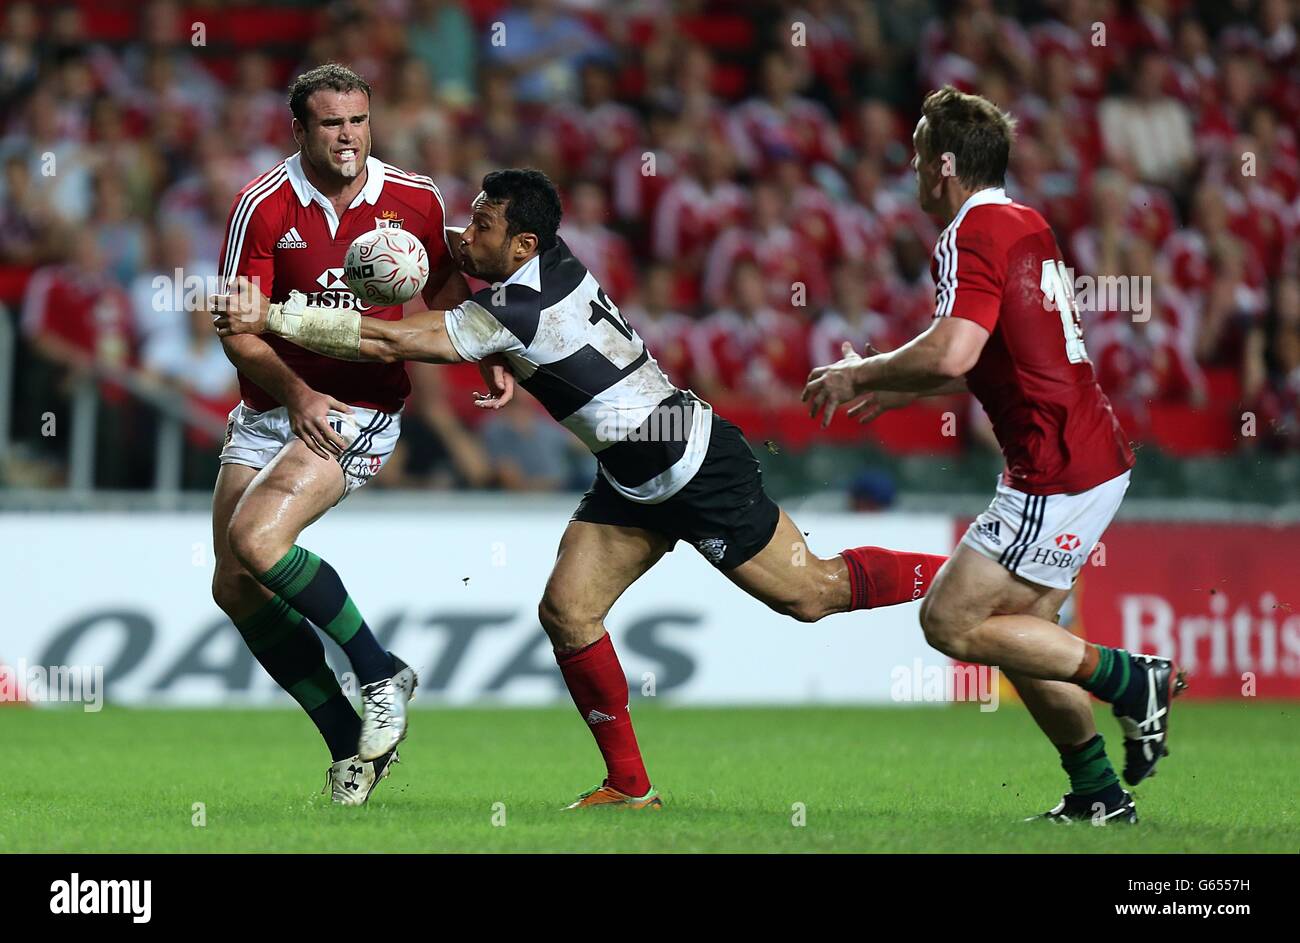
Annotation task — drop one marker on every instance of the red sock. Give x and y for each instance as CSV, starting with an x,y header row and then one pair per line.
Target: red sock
x,y
599,689
880,577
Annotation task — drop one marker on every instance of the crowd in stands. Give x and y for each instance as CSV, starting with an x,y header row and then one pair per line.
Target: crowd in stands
x,y
736,174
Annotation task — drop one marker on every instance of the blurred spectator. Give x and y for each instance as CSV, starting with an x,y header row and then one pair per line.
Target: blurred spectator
x,y
1272,371
174,282
750,347
603,251
781,122
441,36
667,332
193,363
436,450
77,320
529,452
596,130
694,210
121,236
542,47
1148,129
406,115
1145,354
55,161
27,222
18,62
849,318
794,274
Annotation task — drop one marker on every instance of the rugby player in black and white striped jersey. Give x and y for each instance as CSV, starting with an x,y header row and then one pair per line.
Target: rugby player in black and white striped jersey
x,y
669,467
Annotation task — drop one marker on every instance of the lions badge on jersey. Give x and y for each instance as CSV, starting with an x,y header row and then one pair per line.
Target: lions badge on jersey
x,y
388,220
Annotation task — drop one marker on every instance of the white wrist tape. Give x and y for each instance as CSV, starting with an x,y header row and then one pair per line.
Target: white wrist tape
x,y
335,332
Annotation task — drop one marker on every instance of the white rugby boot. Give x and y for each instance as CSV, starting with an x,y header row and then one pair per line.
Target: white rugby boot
x,y
351,781
383,711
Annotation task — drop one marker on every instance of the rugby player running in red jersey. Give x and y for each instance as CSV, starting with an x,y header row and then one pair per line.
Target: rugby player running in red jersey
x,y
310,430
1006,328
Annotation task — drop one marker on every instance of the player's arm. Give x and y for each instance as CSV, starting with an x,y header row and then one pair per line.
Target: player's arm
x,y
335,332
929,364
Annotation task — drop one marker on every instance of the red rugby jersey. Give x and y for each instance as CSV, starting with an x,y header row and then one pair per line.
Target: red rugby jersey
x,y
284,232
998,265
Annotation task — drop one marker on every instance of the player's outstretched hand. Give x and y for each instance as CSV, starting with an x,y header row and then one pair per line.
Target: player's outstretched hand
x,y
500,381
830,386
242,310
880,401
309,420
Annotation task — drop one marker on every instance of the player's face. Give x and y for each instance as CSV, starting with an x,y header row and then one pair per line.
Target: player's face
x,y
485,248
927,184
336,138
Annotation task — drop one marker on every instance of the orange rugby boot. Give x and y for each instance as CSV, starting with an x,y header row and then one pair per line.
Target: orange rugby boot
x,y
609,797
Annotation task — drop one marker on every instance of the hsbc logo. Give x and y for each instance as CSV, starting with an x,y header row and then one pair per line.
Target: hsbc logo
x,y
1045,557
331,278
1067,541
344,299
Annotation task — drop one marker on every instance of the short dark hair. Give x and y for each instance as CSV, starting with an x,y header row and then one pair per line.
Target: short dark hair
x,y
973,130
335,77
531,200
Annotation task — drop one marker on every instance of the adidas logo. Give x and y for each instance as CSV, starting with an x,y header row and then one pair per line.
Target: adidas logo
x,y
291,240
596,717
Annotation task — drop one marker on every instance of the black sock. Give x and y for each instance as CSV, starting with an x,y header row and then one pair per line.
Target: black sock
x,y
313,587
286,645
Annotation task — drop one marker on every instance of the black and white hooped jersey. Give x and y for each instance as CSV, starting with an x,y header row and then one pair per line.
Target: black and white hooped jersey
x,y
570,347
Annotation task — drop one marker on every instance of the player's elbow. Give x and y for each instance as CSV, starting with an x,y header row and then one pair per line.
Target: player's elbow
x,y
955,362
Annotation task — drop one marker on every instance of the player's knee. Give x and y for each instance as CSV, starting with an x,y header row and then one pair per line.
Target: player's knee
x,y
803,609
943,631
254,545
565,626
232,588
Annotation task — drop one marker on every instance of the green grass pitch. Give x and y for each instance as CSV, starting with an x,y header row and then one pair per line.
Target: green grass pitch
x,y
945,779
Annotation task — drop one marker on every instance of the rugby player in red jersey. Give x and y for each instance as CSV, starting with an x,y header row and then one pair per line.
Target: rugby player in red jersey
x,y
310,430
1006,328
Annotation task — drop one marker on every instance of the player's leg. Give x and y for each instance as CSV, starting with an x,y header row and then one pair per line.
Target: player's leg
x,y
978,611
1063,711
727,515
595,564
794,581
988,592
1053,536
282,641
293,491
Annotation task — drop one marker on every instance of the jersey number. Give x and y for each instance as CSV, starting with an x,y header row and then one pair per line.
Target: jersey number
x,y
1056,287
603,310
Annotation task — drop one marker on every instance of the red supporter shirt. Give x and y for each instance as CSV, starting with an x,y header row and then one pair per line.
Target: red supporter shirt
x,y
283,232
998,264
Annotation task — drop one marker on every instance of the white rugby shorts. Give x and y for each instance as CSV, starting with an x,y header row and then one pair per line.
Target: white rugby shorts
x,y
253,439
1045,539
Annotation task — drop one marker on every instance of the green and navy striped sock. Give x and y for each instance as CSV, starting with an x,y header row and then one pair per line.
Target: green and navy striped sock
x,y
285,644
312,586
1091,775
1116,679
